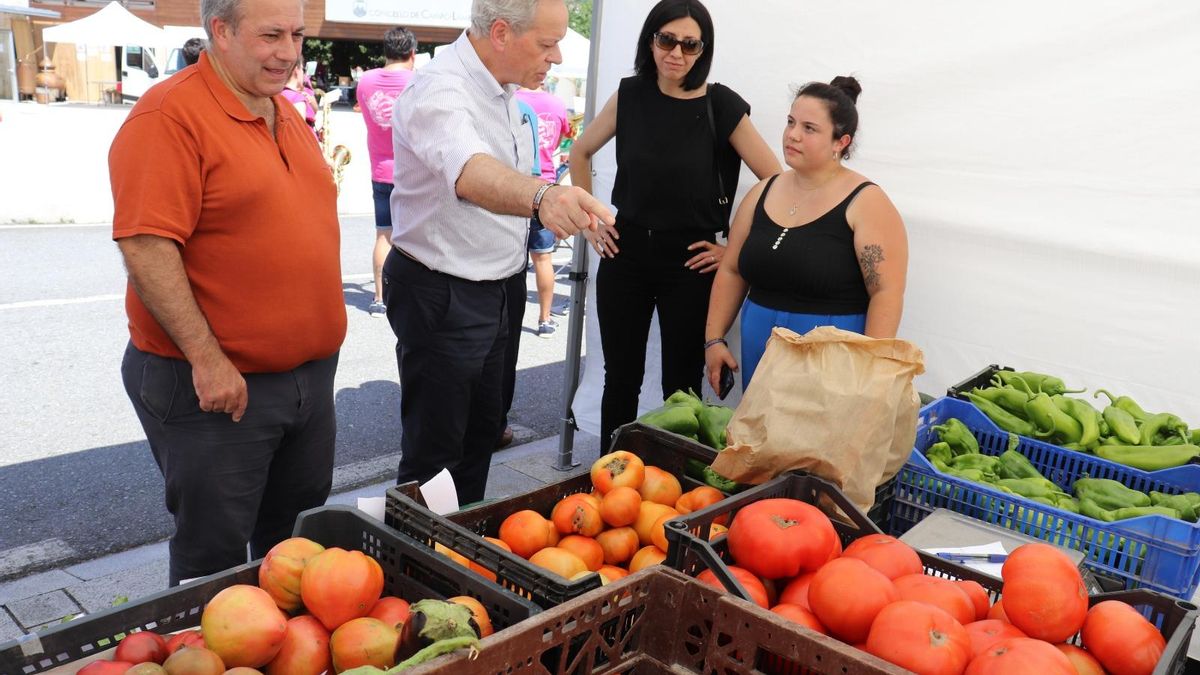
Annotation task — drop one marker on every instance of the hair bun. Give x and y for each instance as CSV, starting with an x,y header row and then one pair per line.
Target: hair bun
x,y
848,85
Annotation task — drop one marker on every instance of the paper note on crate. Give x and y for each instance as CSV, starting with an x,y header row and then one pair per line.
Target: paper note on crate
x,y
372,506
989,568
439,493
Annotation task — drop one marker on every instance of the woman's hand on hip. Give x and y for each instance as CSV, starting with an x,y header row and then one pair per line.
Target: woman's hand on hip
x,y
715,357
604,240
708,257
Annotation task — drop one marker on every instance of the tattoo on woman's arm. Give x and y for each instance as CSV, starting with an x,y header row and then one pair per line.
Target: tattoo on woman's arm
x,y
869,259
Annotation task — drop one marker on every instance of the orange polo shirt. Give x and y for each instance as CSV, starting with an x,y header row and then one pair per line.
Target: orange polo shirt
x,y
255,218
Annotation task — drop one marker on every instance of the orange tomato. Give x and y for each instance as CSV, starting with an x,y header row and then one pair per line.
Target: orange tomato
x,y
646,557
648,514
660,486
526,532
619,544
559,561
618,469
478,612
589,550
577,515
620,506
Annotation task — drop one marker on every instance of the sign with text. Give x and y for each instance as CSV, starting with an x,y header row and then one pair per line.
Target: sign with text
x,y
440,13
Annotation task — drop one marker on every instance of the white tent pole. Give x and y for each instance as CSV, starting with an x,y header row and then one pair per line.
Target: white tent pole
x,y
578,277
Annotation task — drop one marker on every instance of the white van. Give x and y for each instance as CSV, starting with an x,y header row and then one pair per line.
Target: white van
x,y
144,66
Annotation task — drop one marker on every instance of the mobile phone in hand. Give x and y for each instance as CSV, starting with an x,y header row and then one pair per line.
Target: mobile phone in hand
x,y
726,382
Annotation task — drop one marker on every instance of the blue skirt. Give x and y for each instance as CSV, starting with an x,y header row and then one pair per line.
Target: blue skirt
x,y
757,322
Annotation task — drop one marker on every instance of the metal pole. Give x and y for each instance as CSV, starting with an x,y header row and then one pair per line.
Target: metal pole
x,y
578,277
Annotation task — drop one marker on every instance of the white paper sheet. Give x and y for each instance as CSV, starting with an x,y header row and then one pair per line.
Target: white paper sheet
x,y
991,569
440,495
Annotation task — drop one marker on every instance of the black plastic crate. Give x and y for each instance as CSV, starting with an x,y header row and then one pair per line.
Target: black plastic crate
x,y
410,571
463,531
980,380
691,552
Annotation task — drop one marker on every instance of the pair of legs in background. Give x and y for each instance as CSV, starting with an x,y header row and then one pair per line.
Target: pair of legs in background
x,y
646,275
381,193
229,484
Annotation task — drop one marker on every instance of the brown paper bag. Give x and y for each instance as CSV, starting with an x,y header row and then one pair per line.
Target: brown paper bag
x,y
835,403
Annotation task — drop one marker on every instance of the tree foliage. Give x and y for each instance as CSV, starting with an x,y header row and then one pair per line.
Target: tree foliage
x,y
580,17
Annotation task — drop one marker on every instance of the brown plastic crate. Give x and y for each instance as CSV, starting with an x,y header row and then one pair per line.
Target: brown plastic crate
x,y
461,531
658,621
691,552
409,571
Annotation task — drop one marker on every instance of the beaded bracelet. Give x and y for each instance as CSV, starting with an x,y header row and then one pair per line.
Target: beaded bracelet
x,y
715,341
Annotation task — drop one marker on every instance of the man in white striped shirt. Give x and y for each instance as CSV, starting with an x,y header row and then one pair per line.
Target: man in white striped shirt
x,y
461,205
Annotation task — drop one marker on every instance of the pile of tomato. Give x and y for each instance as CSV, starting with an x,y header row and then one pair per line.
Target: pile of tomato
x,y
875,596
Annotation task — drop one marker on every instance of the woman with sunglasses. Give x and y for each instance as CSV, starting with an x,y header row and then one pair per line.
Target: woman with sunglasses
x,y
680,145
819,245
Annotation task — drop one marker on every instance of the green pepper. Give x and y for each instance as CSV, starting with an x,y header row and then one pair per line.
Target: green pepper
x,y
1124,403
687,399
985,463
1148,457
1156,429
1122,425
973,475
1031,487
716,480
1014,441
1003,419
940,452
1007,397
1036,383
1194,436
713,420
1050,421
960,438
1066,502
1181,503
1091,509
1013,464
678,419
1008,378
1109,494
1083,413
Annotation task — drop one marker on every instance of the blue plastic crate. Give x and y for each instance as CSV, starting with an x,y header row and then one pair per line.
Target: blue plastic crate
x,y
1155,552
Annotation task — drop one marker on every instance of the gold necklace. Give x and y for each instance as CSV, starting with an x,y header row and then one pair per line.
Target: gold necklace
x,y
796,205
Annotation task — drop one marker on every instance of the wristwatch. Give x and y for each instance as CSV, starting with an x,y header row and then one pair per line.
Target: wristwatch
x,y
537,198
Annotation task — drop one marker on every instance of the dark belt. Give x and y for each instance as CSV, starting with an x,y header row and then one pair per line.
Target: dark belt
x,y
427,268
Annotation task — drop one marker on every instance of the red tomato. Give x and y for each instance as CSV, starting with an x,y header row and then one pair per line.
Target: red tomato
x,y
978,595
846,594
800,615
938,592
796,591
781,538
105,668
997,611
921,638
141,647
1044,594
1020,655
752,584
988,632
1085,663
187,638
889,555
1121,639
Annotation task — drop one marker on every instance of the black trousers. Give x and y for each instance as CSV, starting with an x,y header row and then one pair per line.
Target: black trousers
x,y
451,336
515,290
649,274
232,483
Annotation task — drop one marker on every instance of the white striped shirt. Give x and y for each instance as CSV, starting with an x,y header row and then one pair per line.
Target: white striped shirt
x,y
452,110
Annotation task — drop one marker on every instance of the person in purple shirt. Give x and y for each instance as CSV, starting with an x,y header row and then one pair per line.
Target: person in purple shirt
x,y
553,126
377,92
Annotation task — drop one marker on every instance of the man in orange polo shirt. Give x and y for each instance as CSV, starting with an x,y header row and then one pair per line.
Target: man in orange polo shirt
x,y
226,215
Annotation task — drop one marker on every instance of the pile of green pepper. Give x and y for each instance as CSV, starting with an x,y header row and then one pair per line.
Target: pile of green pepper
x,y
686,414
957,453
1035,405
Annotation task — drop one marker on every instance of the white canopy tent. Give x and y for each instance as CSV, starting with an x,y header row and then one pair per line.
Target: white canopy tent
x,y
576,52
111,26
1042,156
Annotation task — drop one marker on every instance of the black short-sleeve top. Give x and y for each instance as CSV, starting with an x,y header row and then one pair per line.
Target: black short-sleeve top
x,y
666,169
807,269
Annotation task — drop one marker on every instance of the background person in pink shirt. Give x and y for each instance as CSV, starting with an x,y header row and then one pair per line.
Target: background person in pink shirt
x,y
377,92
553,126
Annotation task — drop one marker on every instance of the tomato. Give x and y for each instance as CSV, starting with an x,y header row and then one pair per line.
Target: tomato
x,y
106,668
717,530
577,516
588,550
527,532
889,555
337,586
482,620
620,507
988,632
699,498
979,596
305,648
560,561
1044,594
1121,639
938,592
658,531
279,574
1020,655
480,569
194,661
921,638
846,595
141,647
242,624
781,538
753,585
619,544
647,556
997,611
796,591
618,469
455,557
800,615
660,486
187,638
1084,663
609,574
391,610
649,514
364,642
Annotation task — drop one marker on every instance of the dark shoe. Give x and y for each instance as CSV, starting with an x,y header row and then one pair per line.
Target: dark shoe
x,y
506,438
546,329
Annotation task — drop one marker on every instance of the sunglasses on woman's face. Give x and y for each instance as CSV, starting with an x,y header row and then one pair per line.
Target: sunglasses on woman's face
x,y
667,43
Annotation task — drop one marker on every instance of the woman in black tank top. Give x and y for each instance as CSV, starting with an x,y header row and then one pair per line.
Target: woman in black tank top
x,y
819,245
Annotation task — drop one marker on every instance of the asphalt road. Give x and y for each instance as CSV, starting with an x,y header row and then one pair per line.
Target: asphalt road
x,y
76,476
